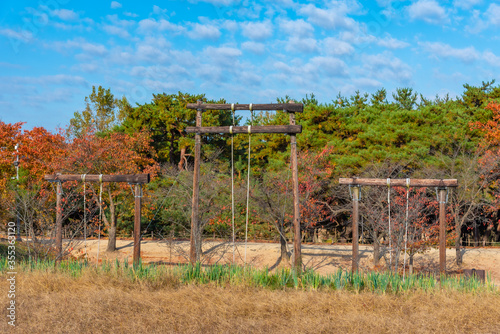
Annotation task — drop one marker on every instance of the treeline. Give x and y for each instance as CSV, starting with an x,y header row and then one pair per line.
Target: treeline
x,y
398,136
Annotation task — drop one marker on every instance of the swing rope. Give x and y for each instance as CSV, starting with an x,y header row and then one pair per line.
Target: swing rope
x,y
248,181
232,178
100,218
406,224
84,214
389,210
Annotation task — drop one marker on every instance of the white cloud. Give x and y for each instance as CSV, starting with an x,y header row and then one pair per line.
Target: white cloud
x,y
223,52
491,58
332,18
466,4
65,14
257,30
221,2
392,43
204,31
254,47
478,23
493,14
87,68
427,10
118,27
334,46
151,49
122,23
90,48
384,66
115,5
23,35
58,79
333,67
367,83
158,10
152,26
440,50
295,44
297,28
118,31
159,72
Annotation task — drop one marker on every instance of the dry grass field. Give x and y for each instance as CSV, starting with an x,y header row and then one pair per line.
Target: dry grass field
x,y
91,302
58,303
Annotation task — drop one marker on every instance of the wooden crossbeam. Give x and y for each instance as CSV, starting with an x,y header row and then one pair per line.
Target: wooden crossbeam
x,y
400,182
289,107
246,129
130,178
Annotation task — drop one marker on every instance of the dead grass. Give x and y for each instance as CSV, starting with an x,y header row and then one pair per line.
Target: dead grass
x,y
57,303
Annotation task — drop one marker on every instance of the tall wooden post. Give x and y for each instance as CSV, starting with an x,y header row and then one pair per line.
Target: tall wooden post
x,y
297,263
137,223
442,230
355,236
58,220
194,254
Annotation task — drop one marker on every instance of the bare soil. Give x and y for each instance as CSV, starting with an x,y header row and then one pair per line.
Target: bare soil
x,y
323,258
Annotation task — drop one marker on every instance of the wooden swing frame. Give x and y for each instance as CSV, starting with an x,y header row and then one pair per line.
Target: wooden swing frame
x,y
136,179
292,129
440,184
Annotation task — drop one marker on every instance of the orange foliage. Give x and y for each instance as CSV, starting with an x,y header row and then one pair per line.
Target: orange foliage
x,y
491,128
114,153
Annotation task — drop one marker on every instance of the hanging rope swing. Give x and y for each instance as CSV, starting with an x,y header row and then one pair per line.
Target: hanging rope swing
x,y
100,218
84,214
248,180
389,214
247,214
406,224
232,178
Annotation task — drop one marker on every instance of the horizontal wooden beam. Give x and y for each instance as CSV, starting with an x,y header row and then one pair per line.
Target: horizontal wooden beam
x,y
400,182
289,107
130,178
246,129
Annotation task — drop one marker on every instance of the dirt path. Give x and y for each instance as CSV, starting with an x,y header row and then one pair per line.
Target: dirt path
x,y
322,258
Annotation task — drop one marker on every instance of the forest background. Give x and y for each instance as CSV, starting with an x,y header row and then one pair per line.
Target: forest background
x,y
400,136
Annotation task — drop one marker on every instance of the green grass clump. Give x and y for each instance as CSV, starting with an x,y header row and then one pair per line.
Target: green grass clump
x,y
375,282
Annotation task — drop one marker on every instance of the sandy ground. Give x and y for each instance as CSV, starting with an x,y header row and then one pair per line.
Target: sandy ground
x,y
323,258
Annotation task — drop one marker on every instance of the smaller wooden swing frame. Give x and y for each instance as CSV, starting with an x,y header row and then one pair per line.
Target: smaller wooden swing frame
x,y
440,184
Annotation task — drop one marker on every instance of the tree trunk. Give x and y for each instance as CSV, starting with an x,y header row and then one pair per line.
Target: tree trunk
x,y
112,224
198,250
458,248
111,239
458,241
284,254
171,154
410,270
182,162
376,249
476,235
396,260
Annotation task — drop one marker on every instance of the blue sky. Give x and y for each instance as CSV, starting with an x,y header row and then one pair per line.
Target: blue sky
x,y
54,51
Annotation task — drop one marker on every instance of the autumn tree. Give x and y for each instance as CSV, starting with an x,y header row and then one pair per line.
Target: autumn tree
x,y
490,160
166,118
9,136
111,153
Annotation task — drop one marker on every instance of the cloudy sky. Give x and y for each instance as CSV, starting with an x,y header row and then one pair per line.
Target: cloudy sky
x,y
53,51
